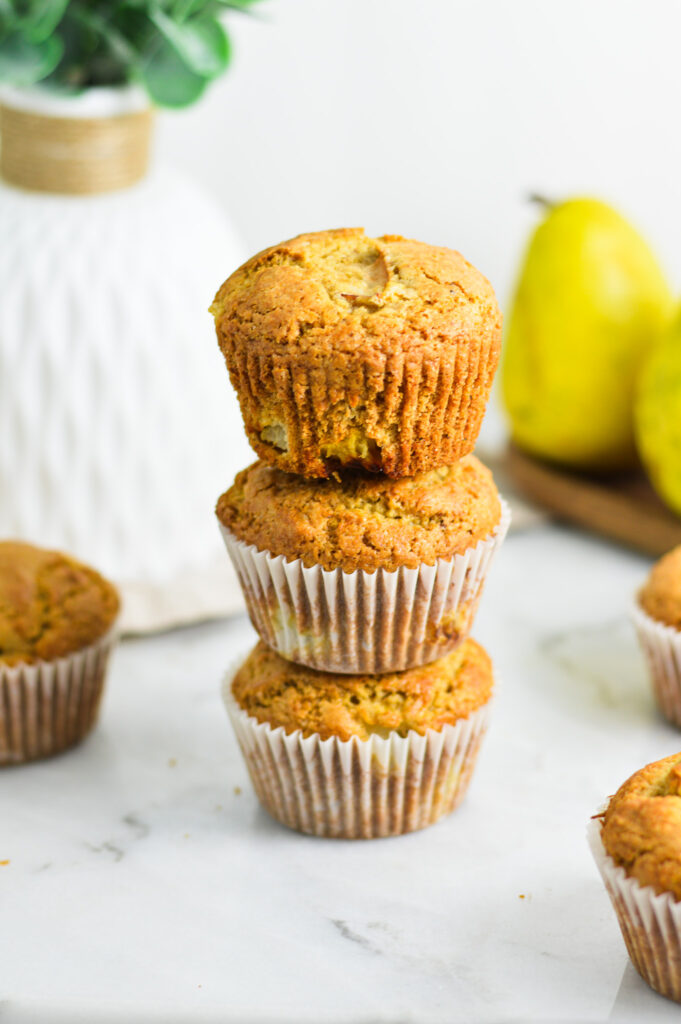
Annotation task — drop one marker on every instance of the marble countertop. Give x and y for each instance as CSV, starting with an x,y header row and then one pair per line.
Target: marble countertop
x,y
140,880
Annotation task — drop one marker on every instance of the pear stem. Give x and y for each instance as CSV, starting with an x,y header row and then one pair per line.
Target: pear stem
x,y
547,204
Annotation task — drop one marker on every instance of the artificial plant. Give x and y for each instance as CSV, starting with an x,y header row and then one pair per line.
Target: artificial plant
x,y
174,48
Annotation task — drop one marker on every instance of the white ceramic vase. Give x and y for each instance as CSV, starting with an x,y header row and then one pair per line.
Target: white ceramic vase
x,y
118,426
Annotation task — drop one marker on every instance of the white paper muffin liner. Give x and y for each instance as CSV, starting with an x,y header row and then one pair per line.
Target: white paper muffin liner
x,y
48,706
650,922
358,789
661,646
363,622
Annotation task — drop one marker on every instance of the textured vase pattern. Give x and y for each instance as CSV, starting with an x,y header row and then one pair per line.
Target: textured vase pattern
x,y
117,424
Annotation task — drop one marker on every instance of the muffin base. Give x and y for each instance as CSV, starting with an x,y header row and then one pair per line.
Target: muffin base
x,y
650,923
48,706
314,419
661,646
358,789
363,622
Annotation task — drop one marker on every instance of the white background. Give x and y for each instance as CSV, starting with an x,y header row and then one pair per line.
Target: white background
x,y
436,118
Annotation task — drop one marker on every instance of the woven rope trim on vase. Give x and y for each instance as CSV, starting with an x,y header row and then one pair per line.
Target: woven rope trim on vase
x,y
73,155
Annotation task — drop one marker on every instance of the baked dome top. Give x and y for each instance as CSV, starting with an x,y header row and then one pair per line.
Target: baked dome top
x,y
282,693
660,596
642,826
363,520
341,291
50,604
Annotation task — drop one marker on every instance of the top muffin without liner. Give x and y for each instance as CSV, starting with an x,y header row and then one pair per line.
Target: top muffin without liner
x,y
349,351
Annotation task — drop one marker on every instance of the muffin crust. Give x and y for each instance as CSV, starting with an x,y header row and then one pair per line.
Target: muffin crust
x,y
363,521
276,691
347,350
660,597
50,604
642,826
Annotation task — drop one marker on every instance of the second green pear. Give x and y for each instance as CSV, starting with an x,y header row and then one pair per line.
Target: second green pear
x,y
658,417
590,303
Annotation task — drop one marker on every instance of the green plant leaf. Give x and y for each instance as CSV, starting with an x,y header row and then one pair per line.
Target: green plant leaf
x,y
173,47
120,47
201,43
169,81
237,5
181,10
23,63
8,18
43,19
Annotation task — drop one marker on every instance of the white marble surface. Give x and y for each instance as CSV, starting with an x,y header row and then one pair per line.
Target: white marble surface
x,y
144,883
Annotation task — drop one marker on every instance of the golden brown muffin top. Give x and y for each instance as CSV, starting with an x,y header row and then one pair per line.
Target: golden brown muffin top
x,y
642,826
50,605
660,596
362,520
277,691
342,291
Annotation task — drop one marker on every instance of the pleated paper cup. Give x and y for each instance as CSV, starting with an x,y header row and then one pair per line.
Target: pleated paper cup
x,y
358,789
650,922
416,412
661,646
363,622
48,706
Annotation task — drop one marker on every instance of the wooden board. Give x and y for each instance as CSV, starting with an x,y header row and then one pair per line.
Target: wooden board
x,y
623,508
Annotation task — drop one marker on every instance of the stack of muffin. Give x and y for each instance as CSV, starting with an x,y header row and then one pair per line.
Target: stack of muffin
x,y
363,535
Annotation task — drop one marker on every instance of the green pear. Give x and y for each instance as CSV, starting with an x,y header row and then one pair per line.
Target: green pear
x,y
590,303
658,417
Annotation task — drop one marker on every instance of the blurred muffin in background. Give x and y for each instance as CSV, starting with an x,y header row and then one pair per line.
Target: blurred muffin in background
x,y
636,843
363,573
349,351
657,617
660,597
56,621
360,756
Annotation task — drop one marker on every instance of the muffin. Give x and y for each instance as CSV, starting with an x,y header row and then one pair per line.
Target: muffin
x,y
637,846
657,618
660,597
360,756
349,351
56,622
363,573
